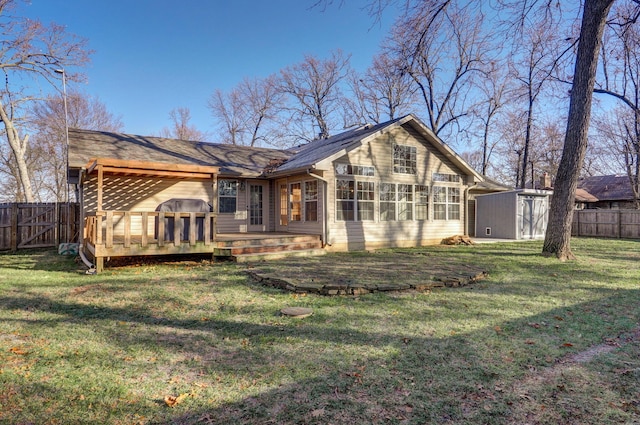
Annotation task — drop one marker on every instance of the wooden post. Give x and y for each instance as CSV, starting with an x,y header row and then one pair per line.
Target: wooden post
x,y
619,224
145,228
193,230
127,229
14,227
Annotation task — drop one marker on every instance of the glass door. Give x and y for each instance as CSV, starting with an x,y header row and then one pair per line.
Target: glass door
x,y
256,208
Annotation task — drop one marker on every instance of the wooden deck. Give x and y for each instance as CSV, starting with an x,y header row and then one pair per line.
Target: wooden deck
x,y
130,234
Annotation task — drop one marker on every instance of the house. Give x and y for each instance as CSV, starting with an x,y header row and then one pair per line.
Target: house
x,y
606,192
390,184
515,214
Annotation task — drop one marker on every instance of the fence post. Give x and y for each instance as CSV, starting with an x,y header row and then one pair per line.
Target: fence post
x,y
14,227
619,224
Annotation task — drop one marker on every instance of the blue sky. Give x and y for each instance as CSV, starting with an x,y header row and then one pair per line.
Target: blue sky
x,y
152,56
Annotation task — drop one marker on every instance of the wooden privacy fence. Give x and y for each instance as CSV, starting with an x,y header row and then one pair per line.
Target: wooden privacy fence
x,y
38,225
623,224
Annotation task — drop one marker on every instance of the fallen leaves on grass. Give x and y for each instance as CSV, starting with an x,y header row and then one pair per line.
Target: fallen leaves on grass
x,y
19,351
172,401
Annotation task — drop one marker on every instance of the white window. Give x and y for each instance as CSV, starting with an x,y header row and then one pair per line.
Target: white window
x,y
396,202
365,197
354,170
355,200
387,202
446,203
404,159
345,195
422,202
311,201
227,196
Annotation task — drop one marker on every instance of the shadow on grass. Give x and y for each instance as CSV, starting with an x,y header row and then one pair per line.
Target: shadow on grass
x,y
460,378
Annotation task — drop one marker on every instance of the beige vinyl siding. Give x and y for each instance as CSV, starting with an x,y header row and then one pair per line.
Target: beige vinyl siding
x,y
235,222
353,235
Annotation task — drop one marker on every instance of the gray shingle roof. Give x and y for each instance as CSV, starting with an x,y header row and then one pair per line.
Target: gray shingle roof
x,y
608,188
232,159
317,150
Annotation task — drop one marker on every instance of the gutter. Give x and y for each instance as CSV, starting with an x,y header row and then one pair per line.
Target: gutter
x,y
325,209
466,208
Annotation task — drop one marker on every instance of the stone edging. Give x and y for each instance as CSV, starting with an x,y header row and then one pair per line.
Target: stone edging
x,y
359,288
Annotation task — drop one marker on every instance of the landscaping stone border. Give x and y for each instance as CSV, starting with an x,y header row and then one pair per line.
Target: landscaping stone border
x,y
451,280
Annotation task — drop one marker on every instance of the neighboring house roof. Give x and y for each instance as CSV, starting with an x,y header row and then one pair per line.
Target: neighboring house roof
x,y
584,196
607,188
244,161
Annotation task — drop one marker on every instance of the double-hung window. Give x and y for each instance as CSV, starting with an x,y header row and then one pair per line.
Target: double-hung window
x,y
355,200
405,202
311,201
387,202
396,202
365,197
227,196
422,202
345,196
446,203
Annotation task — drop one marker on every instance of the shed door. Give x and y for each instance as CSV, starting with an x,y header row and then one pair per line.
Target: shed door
x,y
534,216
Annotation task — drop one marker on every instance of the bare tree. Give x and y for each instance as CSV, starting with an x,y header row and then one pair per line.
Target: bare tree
x,y
532,63
314,87
181,128
442,48
48,144
382,93
495,90
248,114
620,79
262,103
228,110
29,50
558,235
620,131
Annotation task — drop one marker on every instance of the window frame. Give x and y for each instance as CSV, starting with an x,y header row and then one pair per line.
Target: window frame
x,y
446,206
310,204
222,195
405,159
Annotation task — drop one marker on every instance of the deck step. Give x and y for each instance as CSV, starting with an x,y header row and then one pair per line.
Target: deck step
x,y
246,258
279,246
269,241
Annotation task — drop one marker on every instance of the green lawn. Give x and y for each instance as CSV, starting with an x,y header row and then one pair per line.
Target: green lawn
x,y
538,341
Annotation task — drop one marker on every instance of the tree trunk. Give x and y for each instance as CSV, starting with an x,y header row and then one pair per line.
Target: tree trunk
x,y
19,149
558,235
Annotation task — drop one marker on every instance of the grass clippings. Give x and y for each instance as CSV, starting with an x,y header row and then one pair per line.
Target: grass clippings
x,y
538,341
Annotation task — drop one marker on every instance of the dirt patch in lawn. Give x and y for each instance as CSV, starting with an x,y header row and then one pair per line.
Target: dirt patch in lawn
x,y
352,274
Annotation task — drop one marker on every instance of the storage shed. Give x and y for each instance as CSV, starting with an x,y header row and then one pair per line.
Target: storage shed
x,y
516,214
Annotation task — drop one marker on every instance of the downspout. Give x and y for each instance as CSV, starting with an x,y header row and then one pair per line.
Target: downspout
x,y
325,209
466,208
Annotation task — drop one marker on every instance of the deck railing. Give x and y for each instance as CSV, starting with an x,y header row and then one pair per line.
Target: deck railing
x,y
150,228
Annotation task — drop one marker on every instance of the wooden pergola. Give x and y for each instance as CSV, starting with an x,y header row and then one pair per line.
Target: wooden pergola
x,y
102,166
109,244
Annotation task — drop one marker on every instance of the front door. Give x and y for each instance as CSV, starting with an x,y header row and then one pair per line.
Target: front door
x,y
256,208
